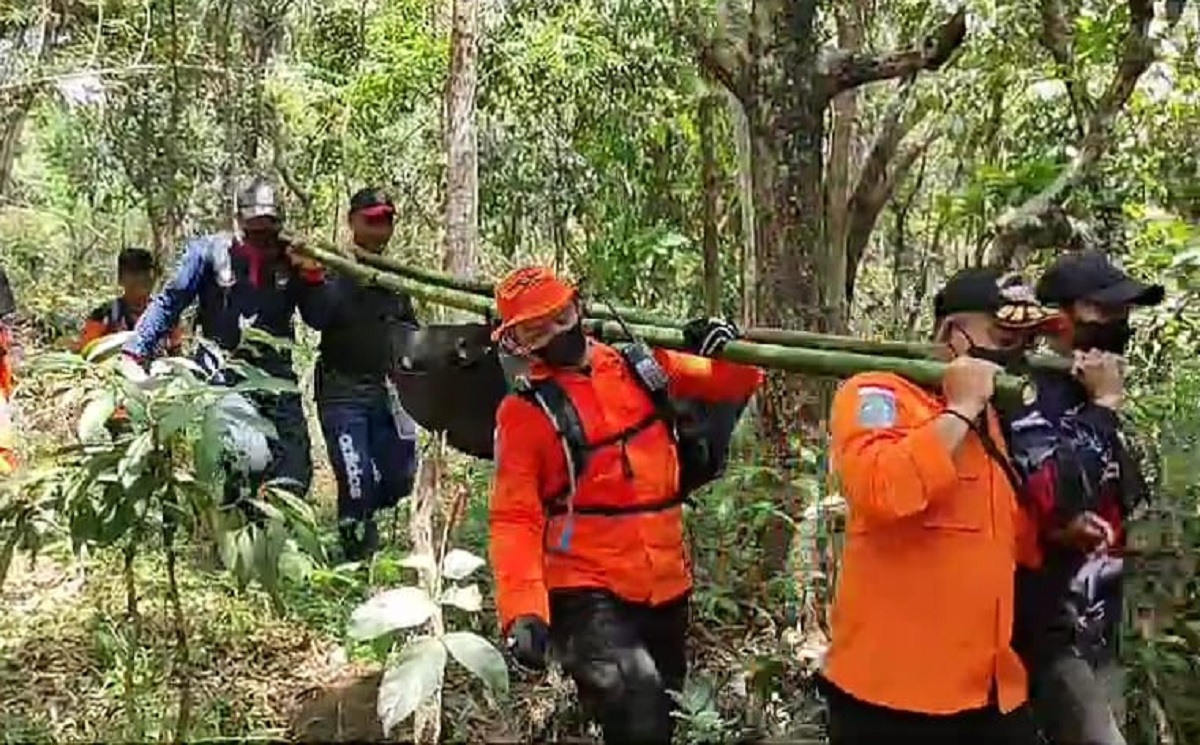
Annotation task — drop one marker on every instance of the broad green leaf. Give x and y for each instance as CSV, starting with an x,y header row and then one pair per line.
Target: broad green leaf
x,y
480,657
401,608
415,677
95,415
106,346
133,462
468,598
459,564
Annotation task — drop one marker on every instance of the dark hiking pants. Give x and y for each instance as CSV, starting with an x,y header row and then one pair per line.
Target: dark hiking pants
x,y
291,460
1079,702
624,657
856,722
374,466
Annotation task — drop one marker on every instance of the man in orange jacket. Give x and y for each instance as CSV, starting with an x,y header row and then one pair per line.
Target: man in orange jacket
x,y
136,274
922,619
587,543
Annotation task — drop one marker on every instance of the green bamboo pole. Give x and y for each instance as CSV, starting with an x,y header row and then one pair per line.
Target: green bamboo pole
x,y
816,362
780,337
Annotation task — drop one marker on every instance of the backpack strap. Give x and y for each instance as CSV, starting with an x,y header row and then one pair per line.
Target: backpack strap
x,y
116,317
564,417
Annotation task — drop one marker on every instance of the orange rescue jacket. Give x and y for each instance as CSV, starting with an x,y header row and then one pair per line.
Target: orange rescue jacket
x,y
923,612
639,556
113,318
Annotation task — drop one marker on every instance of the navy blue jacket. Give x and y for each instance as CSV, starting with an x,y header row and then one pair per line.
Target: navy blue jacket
x,y
1071,459
234,286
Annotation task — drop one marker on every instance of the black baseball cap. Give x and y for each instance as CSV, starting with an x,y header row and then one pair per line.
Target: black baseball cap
x,y
1090,275
372,203
997,293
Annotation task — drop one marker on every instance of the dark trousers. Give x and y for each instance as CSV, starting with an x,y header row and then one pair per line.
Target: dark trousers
x,y
856,722
1077,701
623,657
375,467
291,460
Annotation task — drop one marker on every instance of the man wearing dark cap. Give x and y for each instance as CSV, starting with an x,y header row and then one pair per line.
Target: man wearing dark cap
x,y
921,626
249,279
370,438
1080,485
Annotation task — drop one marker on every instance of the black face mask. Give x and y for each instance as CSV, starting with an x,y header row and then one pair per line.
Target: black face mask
x,y
1107,336
266,239
564,350
1010,358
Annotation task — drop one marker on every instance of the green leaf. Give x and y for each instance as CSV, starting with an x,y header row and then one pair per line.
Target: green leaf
x,y
106,346
401,608
459,564
469,598
95,415
480,657
133,462
419,562
416,676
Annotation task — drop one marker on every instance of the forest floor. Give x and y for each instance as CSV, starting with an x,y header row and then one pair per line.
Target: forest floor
x,y
258,674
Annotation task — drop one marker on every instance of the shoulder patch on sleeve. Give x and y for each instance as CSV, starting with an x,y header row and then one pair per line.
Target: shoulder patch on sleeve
x,y
876,407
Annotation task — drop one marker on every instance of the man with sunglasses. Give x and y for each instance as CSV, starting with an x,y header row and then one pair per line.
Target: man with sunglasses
x,y
1080,485
587,542
370,439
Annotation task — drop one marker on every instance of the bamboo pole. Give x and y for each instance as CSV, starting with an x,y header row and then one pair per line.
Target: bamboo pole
x,y
781,337
816,362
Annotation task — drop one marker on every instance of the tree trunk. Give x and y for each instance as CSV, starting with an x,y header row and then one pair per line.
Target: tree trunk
x,y
461,241
843,154
747,254
708,170
788,134
462,178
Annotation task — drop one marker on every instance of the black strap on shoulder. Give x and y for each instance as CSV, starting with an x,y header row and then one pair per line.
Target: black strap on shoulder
x,y
993,450
551,398
659,396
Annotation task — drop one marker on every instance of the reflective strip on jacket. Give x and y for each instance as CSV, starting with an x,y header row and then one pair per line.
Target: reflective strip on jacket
x,y
641,557
923,613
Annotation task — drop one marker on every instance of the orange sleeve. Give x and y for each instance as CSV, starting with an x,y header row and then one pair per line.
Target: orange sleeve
x,y
515,512
92,330
888,469
712,380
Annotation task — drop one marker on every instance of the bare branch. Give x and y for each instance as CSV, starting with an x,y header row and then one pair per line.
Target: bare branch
x,y
1040,222
886,166
1058,39
844,71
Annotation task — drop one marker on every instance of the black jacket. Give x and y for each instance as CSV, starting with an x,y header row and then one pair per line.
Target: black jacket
x,y
359,338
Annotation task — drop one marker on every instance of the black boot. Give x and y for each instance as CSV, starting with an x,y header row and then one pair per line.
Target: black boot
x,y
360,539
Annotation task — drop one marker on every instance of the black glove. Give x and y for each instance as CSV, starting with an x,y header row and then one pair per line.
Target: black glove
x,y
529,642
708,336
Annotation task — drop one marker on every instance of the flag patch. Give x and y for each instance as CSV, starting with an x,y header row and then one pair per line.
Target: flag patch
x,y
876,407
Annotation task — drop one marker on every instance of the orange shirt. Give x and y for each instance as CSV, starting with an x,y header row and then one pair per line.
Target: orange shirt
x,y
922,617
114,317
639,556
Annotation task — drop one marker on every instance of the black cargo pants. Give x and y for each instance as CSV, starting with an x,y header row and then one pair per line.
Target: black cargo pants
x,y
856,722
623,657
